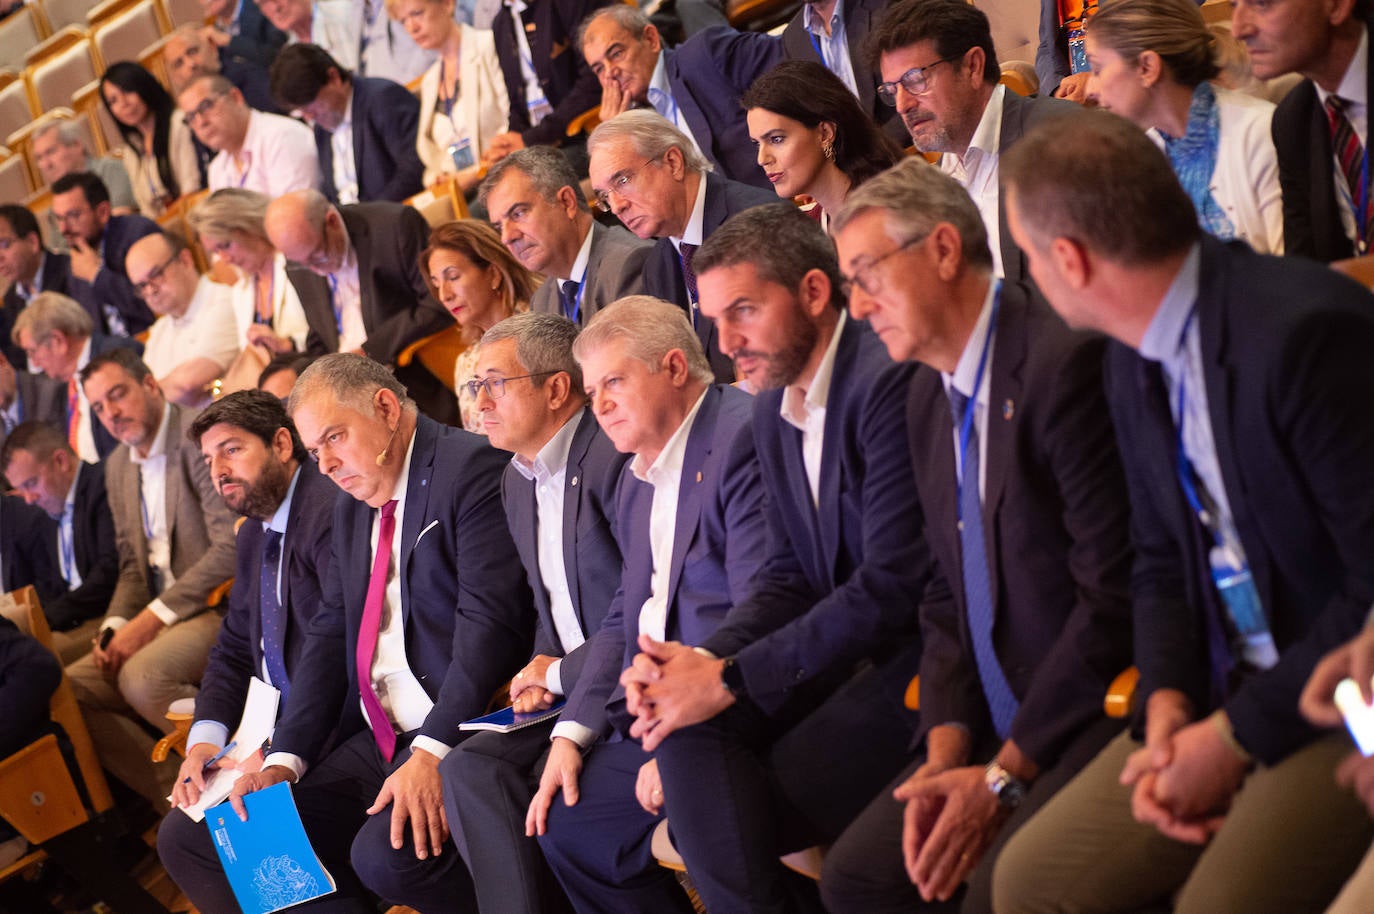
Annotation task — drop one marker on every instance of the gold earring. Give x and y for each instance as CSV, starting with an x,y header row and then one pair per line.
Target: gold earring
x,y
828,150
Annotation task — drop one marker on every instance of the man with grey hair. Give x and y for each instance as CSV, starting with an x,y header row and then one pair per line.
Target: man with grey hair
x,y
696,86
775,710
59,339
650,175
1026,514
429,614
535,203
255,149
691,521
560,493
58,149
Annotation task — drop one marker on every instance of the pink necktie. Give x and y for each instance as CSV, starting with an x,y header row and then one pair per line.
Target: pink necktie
x,y
371,627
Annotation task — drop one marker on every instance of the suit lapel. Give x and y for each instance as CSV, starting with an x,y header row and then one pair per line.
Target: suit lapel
x,y
361,105
687,105
417,498
1004,393
833,447
573,487
690,487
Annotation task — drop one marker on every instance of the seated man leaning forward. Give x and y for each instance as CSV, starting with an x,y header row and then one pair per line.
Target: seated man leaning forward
x,y
426,613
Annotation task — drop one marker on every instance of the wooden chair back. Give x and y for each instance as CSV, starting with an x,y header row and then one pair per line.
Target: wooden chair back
x,y
56,77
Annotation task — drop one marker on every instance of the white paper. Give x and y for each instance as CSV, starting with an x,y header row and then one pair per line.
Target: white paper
x,y
259,720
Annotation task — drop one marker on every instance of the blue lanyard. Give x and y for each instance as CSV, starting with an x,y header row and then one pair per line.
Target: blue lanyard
x,y
1184,466
970,407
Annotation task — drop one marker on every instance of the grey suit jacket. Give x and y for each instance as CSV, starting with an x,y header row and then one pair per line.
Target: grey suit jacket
x,y
615,268
200,527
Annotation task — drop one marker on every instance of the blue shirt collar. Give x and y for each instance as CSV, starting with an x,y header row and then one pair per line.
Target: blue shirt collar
x,y
1163,339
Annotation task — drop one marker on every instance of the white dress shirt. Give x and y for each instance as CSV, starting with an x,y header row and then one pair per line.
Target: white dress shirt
x,y
832,46
66,536
584,257
278,156
549,473
152,474
976,169
85,436
345,166
348,301
962,380
804,410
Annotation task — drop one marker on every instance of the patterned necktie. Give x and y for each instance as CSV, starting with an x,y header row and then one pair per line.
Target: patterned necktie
x,y
689,275
568,300
273,621
371,627
73,416
977,579
1349,152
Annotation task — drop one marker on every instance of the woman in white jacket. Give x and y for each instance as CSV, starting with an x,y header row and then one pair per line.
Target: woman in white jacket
x,y
463,100
1151,62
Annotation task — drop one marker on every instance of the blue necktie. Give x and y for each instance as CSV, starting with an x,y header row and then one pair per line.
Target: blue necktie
x,y
977,581
273,623
567,298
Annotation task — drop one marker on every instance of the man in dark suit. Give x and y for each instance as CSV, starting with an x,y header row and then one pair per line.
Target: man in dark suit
x,y
940,70
364,126
770,719
240,31
690,524
700,86
436,618
646,171
42,467
98,243
547,80
188,54
26,396
260,469
559,493
535,203
29,268
56,335
838,39
26,554
378,302
1237,385
1322,217
176,546
1026,623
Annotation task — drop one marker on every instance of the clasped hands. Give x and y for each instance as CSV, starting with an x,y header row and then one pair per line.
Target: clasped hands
x,y
669,686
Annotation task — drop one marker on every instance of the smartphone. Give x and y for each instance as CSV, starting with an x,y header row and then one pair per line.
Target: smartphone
x,y
1359,717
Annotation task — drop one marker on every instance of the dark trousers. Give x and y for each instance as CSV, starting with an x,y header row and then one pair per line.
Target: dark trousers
x,y
600,848
743,788
356,848
489,780
864,872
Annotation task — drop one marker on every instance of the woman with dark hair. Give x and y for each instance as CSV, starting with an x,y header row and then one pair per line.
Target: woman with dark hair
x,y
480,283
812,136
162,165
1152,62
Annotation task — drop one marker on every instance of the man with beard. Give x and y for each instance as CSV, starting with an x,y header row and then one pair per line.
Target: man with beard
x,y
940,72
259,467
813,662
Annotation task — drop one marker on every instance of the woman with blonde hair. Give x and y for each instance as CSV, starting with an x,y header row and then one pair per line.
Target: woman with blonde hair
x,y
463,100
1151,61
480,283
267,305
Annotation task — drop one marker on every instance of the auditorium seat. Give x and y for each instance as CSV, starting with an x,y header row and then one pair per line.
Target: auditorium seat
x,y
125,34
20,32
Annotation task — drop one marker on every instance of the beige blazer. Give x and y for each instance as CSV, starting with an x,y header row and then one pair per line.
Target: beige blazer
x,y
481,111
200,527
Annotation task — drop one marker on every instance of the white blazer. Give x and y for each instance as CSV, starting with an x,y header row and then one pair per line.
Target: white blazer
x,y
481,111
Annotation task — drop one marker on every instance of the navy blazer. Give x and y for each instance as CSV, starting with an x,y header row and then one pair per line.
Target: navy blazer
x,y
27,555
1056,518
591,556
843,579
97,556
1285,354
663,267
1020,115
257,41
112,293
29,674
385,118
57,276
718,545
1302,138
464,603
707,74
305,562
569,85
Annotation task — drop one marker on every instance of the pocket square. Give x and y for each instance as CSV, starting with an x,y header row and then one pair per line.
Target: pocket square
x,y
432,525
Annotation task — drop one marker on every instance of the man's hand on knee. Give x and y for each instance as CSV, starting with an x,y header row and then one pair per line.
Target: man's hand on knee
x,y
415,793
130,638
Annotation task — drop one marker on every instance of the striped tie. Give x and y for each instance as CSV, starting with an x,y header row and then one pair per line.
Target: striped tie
x,y
1345,144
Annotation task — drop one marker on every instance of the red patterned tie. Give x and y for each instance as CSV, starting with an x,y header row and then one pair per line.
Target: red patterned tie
x,y
371,628
73,416
1345,143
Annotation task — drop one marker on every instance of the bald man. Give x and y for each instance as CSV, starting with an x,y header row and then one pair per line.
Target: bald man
x,y
378,302
189,53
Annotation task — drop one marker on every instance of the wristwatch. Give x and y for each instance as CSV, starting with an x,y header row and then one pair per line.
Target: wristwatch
x,y
1006,787
732,677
